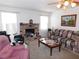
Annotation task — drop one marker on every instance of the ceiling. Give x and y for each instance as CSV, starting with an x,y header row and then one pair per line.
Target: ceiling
x,y
39,5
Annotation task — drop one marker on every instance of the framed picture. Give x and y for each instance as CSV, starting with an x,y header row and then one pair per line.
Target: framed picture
x,y
68,20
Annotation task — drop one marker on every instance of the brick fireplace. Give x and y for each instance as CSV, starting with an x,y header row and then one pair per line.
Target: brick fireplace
x,y
27,28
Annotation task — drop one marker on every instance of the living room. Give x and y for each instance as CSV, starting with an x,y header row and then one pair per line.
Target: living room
x,y
15,16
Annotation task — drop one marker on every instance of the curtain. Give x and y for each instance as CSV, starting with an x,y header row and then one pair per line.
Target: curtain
x,y
9,23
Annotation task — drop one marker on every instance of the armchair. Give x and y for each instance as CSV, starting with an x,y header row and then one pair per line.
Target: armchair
x,y
55,34
69,41
8,51
4,33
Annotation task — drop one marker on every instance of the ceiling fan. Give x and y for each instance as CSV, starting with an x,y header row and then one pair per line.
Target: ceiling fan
x,y
65,3
52,3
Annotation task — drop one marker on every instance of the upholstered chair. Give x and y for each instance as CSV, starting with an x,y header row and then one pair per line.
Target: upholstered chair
x,y
69,41
64,36
76,46
56,32
5,33
3,41
55,35
49,34
8,51
60,35
69,34
61,32
70,44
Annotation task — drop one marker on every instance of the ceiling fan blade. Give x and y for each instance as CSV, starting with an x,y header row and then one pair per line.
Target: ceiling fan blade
x,y
53,3
76,3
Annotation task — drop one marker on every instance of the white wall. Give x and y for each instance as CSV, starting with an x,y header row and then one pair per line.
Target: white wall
x,y
24,15
0,23
56,19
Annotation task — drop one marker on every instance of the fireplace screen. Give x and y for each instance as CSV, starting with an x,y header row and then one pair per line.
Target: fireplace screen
x,y
30,32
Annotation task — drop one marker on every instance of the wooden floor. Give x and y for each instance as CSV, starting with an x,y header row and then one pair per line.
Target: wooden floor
x,y
43,52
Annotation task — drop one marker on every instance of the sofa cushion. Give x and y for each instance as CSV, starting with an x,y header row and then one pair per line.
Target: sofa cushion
x,y
16,52
3,41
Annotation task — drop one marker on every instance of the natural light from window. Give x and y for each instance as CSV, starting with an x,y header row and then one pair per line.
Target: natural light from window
x,y
9,22
44,22
8,17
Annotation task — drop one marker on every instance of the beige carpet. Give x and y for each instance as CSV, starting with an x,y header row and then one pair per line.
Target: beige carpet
x,y
43,52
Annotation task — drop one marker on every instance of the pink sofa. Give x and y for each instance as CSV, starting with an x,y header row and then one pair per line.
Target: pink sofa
x,y
3,41
12,52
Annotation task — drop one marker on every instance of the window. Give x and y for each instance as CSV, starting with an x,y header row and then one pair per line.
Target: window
x,y
43,25
9,22
44,22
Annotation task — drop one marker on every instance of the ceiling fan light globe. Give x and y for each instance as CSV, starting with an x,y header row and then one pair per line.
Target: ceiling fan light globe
x,y
66,3
59,6
73,4
64,8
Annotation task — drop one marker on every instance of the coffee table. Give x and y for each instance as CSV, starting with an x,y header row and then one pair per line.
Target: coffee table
x,y
49,43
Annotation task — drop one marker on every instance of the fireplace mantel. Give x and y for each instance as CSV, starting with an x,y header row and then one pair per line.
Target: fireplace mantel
x,y
24,26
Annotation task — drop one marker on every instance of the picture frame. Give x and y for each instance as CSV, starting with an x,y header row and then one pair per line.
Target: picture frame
x,y
68,20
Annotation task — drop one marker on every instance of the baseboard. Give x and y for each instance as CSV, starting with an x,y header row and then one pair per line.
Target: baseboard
x,y
71,51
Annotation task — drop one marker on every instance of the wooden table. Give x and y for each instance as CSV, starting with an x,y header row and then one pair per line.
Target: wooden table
x,y
50,45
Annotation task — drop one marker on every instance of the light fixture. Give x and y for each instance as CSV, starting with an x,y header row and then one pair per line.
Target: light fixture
x,y
65,3
73,4
64,7
59,6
